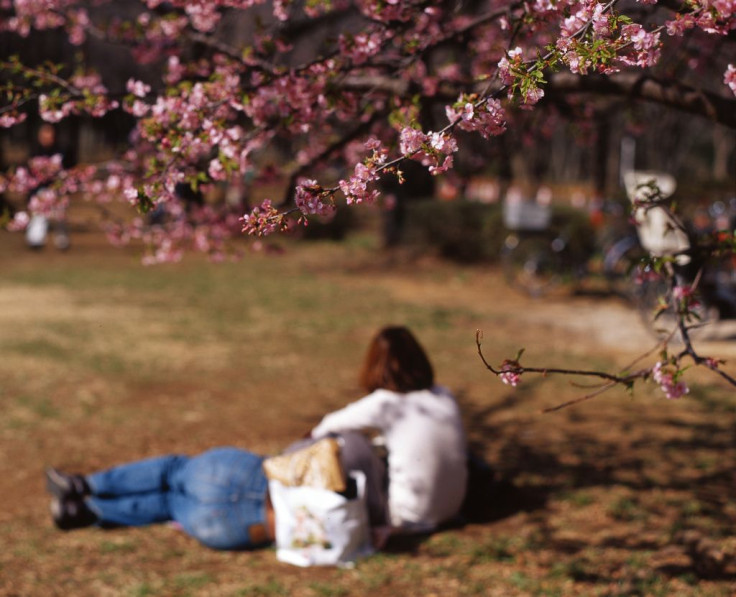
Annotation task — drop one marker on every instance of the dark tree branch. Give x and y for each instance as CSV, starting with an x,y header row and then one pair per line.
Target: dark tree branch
x,y
642,87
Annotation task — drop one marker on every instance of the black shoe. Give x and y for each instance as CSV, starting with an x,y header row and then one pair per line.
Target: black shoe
x,y
63,485
71,513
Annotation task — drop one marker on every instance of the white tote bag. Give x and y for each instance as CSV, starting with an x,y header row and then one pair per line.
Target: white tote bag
x,y
318,527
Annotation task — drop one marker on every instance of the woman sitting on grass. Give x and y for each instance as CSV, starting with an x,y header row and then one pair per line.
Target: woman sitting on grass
x,y
420,425
221,499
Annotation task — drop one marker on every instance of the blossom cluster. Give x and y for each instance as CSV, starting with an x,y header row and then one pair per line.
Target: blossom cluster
x,y
729,78
49,14
487,118
357,188
361,47
296,102
204,15
173,231
262,220
11,118
80,93
514,72
667,378
595,39
685,296
40,170
434,149
646,45
391,10
510,375
715,17
312,199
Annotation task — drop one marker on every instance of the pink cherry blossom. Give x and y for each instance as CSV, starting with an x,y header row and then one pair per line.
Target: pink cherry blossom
x,y
137,88
411,140
729,78
131,194
19,222
506,65
666,378
646,44
510,375
9,119
685,295
712,363
682,292
488,119
262,220
311,198
357,188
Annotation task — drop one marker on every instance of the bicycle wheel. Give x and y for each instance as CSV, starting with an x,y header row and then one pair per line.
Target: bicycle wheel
x,y
620,260
649,295
531,265
660,318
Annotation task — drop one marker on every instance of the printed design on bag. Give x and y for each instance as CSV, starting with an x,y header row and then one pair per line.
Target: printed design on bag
x,y
309,530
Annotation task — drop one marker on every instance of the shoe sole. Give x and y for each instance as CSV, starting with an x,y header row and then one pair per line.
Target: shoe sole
x,y
57,485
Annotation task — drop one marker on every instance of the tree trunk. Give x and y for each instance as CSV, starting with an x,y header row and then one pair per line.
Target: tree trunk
x,y
724,154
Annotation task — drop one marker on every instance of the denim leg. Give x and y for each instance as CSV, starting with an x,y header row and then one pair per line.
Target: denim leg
x,y
218,496
131,510
142,476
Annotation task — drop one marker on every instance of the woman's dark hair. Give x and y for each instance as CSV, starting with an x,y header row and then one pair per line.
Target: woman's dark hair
x,y
396,361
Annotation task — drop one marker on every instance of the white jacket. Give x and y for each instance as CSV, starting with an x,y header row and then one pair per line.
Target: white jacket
x,y
426,447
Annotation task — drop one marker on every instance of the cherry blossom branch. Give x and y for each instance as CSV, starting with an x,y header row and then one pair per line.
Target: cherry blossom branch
x,y
667,371
215,117
511,370
479,113
689,350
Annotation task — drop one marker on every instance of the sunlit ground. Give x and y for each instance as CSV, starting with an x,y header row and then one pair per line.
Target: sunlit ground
x,y
104,361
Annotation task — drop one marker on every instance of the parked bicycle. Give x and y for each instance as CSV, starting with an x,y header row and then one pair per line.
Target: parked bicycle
x,y
541,252
689,243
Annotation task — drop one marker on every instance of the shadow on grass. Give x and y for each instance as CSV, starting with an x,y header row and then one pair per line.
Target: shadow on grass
x,y
701,459
666,478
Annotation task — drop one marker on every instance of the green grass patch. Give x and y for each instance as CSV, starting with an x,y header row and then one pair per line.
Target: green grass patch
x,y
271,588
497,549
627,509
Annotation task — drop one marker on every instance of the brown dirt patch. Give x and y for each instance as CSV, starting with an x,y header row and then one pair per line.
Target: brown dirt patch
x,y
619,496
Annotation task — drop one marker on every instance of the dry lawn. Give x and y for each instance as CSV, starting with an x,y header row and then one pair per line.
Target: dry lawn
x,y
105,361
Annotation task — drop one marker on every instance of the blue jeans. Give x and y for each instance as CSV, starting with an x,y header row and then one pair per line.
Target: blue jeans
x,y
215,496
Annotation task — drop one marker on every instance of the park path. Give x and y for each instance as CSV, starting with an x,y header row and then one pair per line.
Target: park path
x,y
588,320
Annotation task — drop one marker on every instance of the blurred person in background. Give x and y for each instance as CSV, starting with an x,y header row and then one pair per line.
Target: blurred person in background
x,y
47,145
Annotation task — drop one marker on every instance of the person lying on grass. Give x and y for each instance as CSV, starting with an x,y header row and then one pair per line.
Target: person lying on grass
x,y
220,497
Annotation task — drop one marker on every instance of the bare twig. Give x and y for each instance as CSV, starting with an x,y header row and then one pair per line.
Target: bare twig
x,y
604,388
